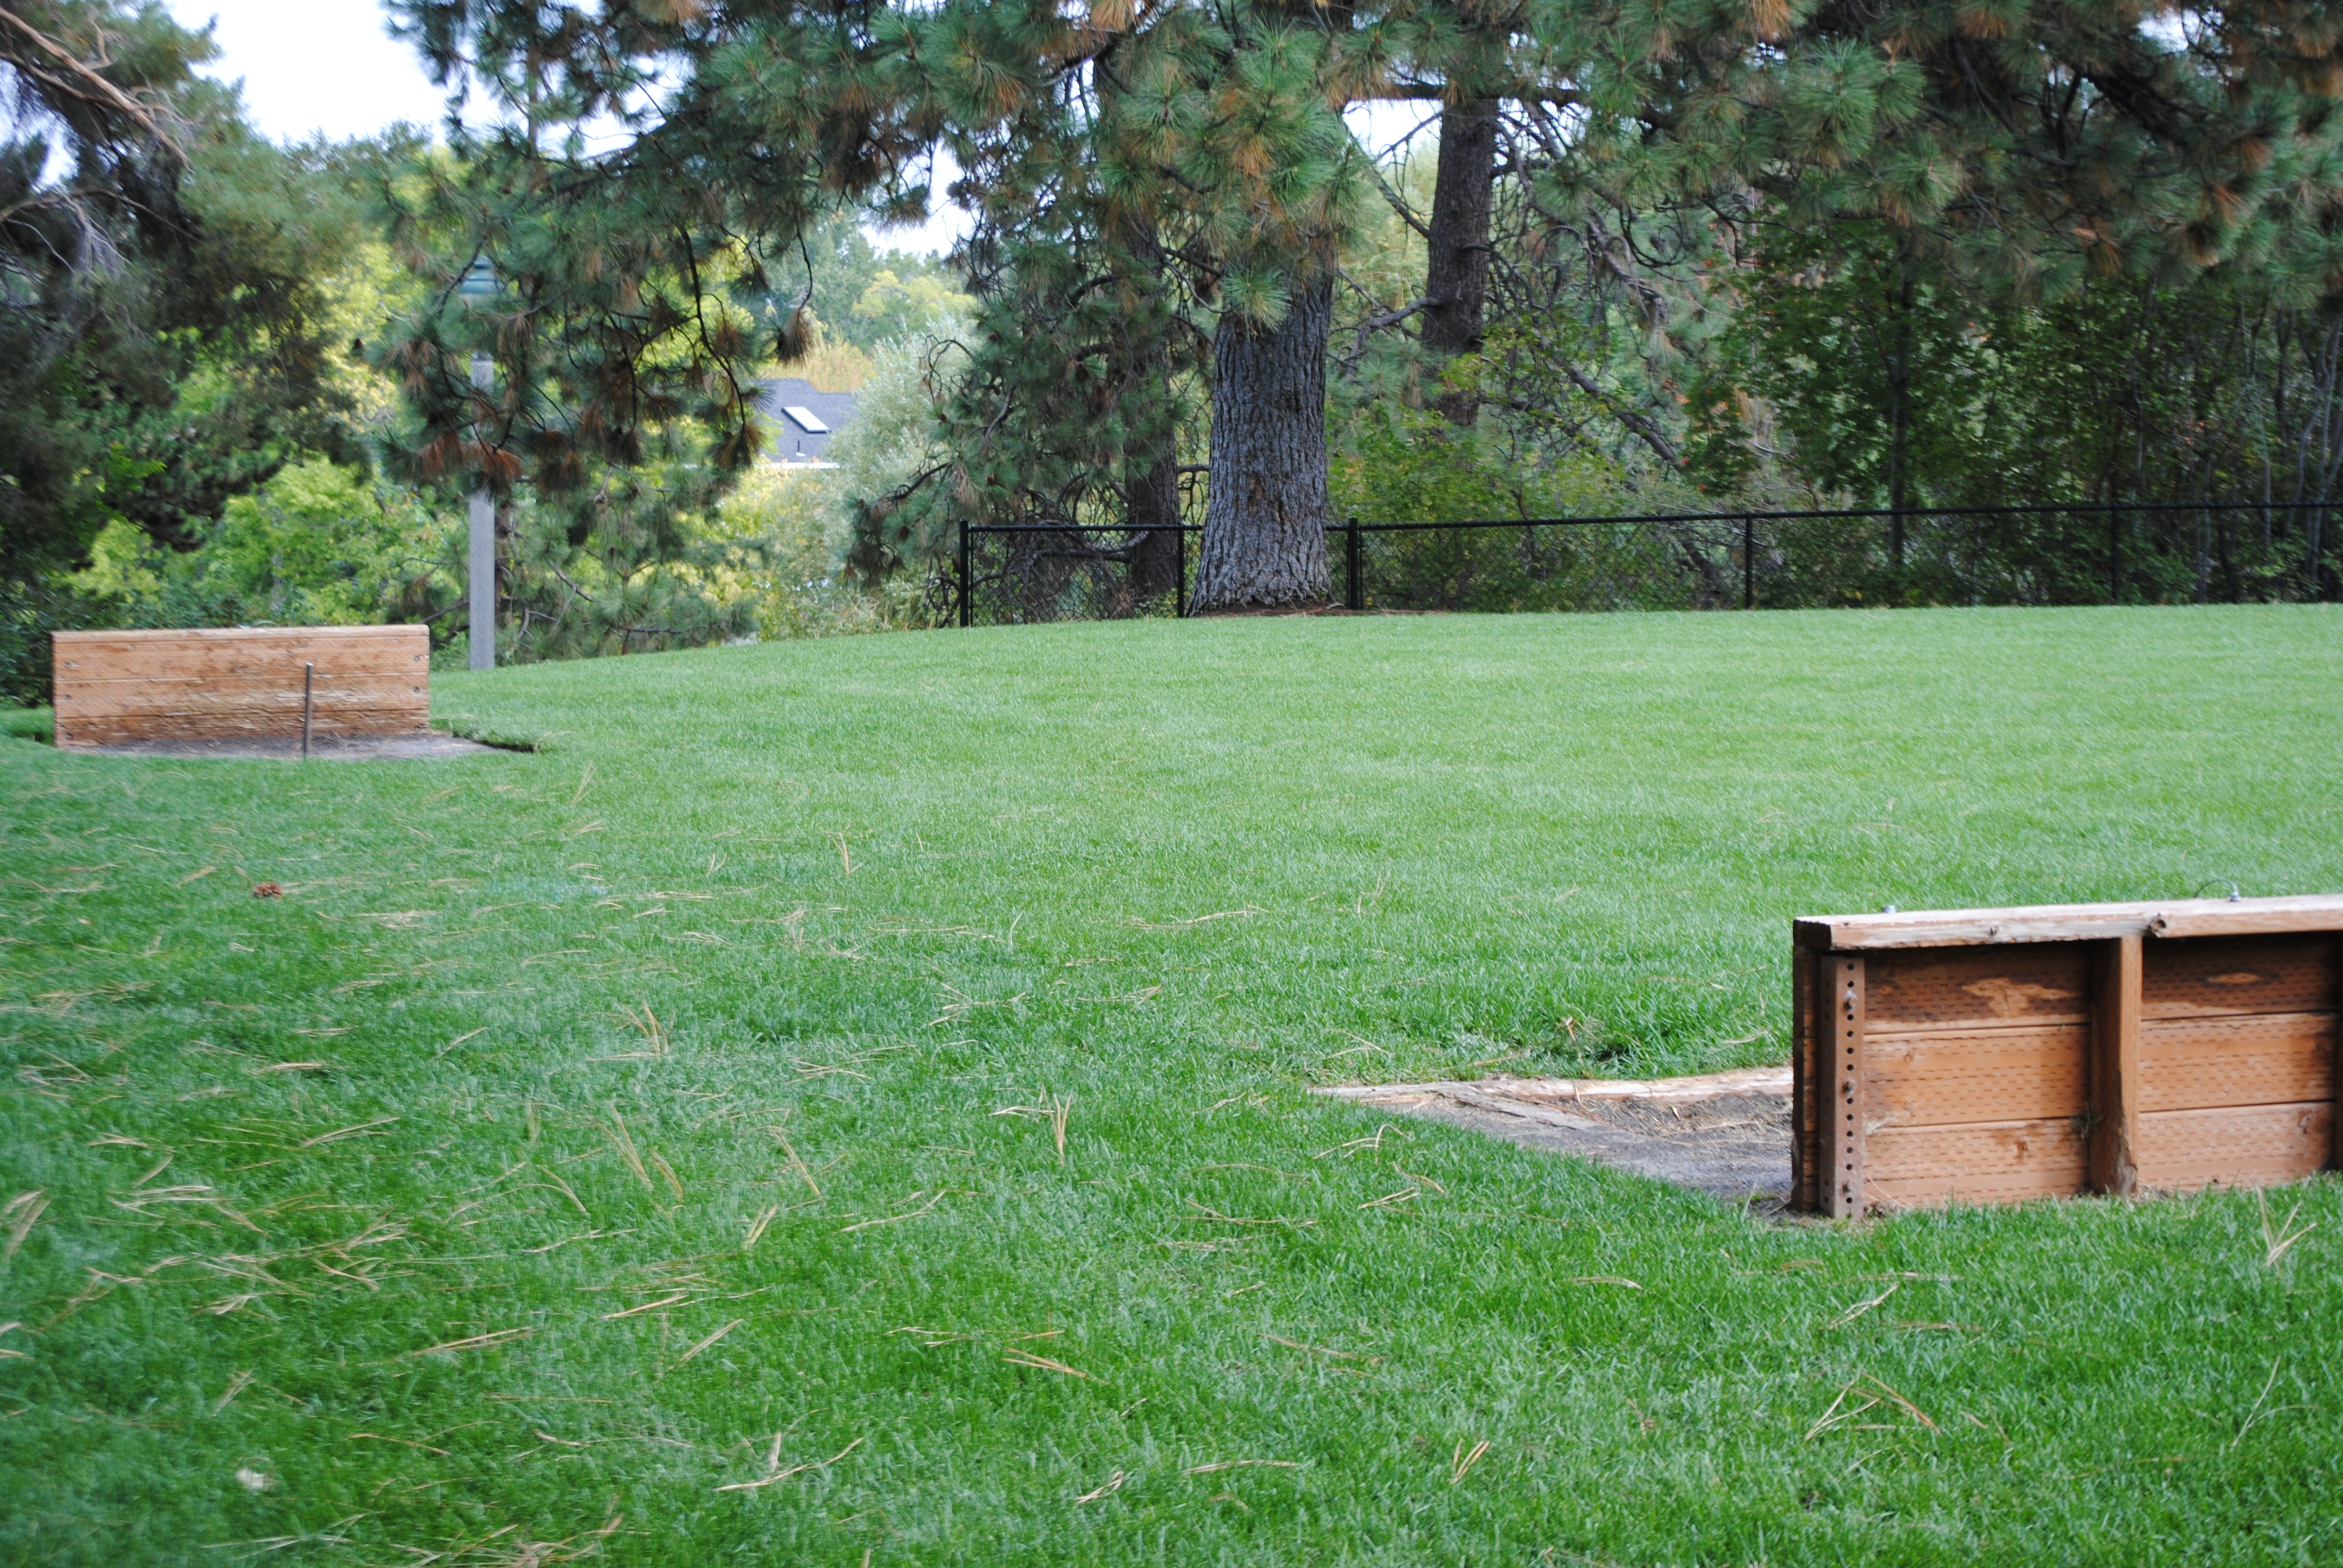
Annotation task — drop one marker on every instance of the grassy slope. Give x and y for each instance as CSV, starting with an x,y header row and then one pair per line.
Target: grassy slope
x,y
1565,843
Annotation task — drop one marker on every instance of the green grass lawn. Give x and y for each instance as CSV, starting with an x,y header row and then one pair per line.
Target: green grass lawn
x,y
845,1103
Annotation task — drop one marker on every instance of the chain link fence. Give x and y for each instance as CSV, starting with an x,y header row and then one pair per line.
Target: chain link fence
x,y
2227,553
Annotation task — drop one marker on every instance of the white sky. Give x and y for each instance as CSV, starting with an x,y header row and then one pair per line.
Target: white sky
x,y
331,66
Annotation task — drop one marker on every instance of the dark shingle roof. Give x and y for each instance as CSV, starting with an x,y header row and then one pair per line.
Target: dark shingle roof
x,y
790,441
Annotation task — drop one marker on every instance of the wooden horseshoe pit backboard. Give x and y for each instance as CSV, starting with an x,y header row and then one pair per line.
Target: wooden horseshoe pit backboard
x,y
1991,1056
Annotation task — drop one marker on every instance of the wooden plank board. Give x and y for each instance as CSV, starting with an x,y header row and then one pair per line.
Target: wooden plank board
x,y
2067,923
2116,1080
1966,988
2203,1063
2243,1146
212,684
1840,1008
1805,1155
2217,976
1992,1075
1989,1162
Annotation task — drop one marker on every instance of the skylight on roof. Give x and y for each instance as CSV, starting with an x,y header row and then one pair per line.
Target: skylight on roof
x,y
807,419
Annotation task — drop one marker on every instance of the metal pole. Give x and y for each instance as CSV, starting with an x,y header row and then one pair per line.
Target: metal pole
x,y
308,705
483,585
1748,560
1180,576
2115,557
961,567
1354,586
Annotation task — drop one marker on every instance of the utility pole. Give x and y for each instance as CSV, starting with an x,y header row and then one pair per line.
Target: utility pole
x,y
479,285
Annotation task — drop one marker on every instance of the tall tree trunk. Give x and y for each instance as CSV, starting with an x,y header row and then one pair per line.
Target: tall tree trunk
x,y
1899,397
1265,523
1456,271
1153,488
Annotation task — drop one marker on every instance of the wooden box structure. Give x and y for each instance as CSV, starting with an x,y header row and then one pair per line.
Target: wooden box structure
x,y
1997,1055
114,686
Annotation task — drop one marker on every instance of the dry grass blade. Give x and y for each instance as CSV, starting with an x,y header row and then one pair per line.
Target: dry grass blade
x,y
645,1023
476,1343
797,1161
1461,1462
1860,1308
25,1210
1319,1349
1217,1218
1113,1484
1219,1465
647,1307
1043,1363
757,1228
2277,1240
774,1473
624,1143
236,1385
667,1171
458,1040
711,1340
926,1208
1873,1393
1605,1280
342,1132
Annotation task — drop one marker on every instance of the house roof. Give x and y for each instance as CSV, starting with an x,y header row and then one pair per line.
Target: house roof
x,y
792,410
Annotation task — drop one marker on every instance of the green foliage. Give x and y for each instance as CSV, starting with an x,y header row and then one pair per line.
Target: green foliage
x,y
318,544
839,904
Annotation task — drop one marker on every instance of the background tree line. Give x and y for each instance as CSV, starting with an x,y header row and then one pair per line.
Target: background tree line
x,y
1690,255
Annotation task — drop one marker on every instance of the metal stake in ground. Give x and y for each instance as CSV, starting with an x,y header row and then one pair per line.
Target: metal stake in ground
x,y
308,705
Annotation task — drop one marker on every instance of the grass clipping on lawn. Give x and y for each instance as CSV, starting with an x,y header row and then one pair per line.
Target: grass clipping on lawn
x,y
848,1104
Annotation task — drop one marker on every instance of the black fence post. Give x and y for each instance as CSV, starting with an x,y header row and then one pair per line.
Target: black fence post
x,y
1354,587
2115,557
1748,560
963,572
1180,576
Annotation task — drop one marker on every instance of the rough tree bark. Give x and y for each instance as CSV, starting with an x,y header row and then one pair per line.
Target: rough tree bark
x,y
1264,545
1457,273
1153,512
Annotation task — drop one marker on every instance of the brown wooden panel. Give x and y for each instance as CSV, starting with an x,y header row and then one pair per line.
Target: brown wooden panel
x,y
2244,1146
1804,1138
2201,1063
1839,1016
1991,1075
1991,1163
1971,987
2114,1080
2210,975
114,686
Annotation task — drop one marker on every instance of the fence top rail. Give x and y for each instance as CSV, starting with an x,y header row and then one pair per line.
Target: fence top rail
x,y
2049,509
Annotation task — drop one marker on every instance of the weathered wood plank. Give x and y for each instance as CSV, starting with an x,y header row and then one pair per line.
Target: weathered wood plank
x,y
1993,1075
2067,922
2217,977
1988,1162
117,687
1840,1004
2242,1146
1806,1156
2117,1074
2205,1064
1966,988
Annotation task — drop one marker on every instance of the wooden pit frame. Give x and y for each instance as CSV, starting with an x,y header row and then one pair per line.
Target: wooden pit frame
x,y
2000,1055
247,683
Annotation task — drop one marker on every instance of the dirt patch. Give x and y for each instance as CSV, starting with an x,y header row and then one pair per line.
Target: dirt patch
x,y
262,749
1726,1134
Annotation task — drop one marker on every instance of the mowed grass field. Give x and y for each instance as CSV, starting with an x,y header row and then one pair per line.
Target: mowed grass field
x,y
846,1103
